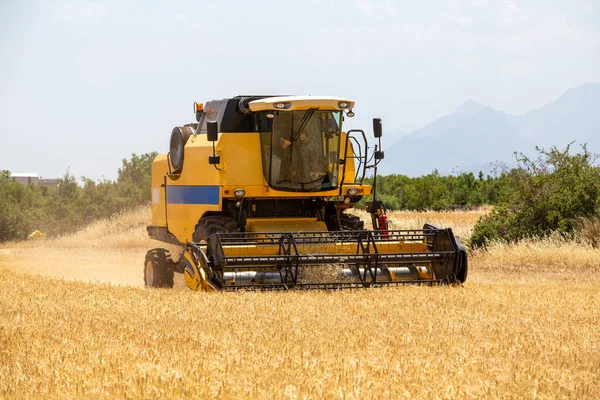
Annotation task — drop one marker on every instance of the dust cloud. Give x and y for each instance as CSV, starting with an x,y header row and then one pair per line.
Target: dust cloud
x,y
107,251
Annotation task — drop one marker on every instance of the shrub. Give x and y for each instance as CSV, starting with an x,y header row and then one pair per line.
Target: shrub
x,y
543,196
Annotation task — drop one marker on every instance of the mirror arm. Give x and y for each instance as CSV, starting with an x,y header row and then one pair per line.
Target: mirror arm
x,y
212,134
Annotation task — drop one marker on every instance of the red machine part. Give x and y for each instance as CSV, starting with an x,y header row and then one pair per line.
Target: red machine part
x,y
383,223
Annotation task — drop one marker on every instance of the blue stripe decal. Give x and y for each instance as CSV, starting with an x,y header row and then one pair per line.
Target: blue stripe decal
x,y
193,194
189,268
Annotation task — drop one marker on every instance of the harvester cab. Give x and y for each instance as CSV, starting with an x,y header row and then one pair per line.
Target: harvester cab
x,y
258,192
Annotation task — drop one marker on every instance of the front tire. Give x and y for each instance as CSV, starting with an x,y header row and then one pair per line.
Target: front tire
x,y
208,226
158,269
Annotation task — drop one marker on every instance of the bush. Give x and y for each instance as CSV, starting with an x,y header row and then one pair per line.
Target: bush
x,y
543,196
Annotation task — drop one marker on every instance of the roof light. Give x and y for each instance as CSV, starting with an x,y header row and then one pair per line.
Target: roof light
x,y
283,105
344,104
198,107
350,113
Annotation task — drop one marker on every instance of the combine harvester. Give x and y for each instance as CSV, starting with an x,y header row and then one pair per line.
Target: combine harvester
x,y
258,193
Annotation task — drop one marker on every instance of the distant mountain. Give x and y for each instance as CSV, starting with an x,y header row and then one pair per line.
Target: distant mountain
x,y
469,108
475,137
394,136
574,116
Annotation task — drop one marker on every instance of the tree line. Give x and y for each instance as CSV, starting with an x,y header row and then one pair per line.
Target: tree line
x,y
70,205
437,192
558,191
555,192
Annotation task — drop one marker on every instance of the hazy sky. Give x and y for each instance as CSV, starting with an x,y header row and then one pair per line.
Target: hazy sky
x,y
84,84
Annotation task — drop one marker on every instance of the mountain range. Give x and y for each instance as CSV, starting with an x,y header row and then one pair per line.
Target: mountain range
x,y
476,137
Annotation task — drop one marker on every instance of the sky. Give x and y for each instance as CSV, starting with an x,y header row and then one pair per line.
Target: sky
x,y
84,84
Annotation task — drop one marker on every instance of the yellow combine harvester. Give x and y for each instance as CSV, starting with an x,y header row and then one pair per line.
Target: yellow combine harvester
x,y
258,193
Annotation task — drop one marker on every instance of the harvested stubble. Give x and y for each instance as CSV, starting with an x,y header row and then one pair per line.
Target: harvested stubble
x,y
535,336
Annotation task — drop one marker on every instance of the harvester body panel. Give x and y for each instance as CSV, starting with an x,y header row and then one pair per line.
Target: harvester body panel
x,y
179,201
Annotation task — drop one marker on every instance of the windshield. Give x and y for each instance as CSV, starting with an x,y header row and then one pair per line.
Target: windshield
x,y
300,149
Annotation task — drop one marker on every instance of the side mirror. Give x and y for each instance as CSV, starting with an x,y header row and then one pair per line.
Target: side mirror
x,y
377,127
212,131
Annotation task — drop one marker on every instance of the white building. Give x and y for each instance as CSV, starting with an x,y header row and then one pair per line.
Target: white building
x,y
31,179
25,178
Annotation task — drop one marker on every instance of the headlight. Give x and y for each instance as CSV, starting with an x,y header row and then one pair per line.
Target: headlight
x,y
352,191
347,200
239,193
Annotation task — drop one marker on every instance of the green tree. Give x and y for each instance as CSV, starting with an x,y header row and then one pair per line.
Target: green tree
x,y
135,178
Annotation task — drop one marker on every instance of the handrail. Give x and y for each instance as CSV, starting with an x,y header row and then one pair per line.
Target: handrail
x,y
361,158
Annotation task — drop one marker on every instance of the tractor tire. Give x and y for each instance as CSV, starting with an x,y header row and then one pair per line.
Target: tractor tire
x,y
208,226
158,269
347,222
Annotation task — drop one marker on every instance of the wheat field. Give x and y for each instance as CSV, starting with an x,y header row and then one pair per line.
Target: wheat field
x,y
76,322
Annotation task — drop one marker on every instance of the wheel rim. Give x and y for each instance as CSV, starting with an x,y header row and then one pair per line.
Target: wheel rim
x,y
149,274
